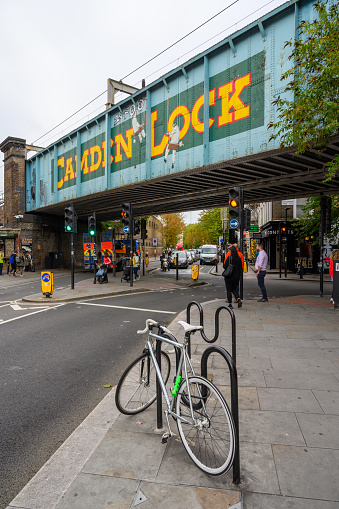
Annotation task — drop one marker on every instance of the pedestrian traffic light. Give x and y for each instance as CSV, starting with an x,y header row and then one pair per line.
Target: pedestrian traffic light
x,y
126,214
143,229
92,226
70,219
232,237
136,226
246,219
234,202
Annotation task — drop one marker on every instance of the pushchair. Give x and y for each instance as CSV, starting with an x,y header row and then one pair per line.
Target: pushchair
x,y
101,275
126,276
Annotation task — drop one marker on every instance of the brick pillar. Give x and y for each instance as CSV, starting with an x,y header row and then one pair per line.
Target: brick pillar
x,y
14,150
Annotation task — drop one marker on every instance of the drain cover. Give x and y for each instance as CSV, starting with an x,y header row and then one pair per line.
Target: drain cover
x,y
139,498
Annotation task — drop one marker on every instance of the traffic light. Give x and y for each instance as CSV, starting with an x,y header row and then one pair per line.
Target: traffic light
x,y
92,225
234,202
70,226
136,227
246,219
126,214
143,229
232,237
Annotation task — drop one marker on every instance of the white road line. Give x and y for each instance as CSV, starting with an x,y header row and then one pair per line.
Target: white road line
x,y
29,314
125,307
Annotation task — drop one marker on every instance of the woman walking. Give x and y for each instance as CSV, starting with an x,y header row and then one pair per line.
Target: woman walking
x,y
232,279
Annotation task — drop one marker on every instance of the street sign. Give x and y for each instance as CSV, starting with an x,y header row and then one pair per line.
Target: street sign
x,y
234,223
287,202
155,241
126,229
221,239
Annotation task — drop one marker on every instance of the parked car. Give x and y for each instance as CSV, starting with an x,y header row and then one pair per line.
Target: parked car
x,y
209,254
189,257
182,260
193,255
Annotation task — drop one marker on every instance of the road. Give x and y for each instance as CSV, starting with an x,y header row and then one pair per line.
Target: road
x,y
55,361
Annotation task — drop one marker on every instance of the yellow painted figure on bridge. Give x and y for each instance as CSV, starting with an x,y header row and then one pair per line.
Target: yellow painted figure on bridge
x,y
173,143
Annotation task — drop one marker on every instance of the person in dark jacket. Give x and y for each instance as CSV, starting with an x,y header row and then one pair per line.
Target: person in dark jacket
x,y
232,281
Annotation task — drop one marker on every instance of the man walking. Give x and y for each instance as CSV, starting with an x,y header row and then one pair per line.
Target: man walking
x,y
260,267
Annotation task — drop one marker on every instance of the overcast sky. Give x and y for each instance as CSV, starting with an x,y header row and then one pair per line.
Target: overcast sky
x,y
56,56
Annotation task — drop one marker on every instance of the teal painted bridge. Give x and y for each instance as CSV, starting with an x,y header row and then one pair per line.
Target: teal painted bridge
x,y
180,142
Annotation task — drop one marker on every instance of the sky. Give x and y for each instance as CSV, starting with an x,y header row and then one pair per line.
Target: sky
x,y
56,56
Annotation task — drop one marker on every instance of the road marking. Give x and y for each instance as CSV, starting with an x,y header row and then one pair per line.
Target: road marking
x,y
16,307
125,307
29,314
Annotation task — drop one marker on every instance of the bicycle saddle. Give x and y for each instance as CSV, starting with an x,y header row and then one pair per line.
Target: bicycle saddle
x,y
188,327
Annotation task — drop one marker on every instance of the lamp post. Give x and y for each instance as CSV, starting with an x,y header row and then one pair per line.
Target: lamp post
x,y
286,250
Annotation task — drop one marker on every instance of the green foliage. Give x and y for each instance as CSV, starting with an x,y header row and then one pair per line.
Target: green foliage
x,y
193,236
211,226
173,226
106,226
311,117
309,223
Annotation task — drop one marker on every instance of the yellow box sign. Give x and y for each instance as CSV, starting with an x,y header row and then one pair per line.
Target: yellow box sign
x,y
195,271
47,283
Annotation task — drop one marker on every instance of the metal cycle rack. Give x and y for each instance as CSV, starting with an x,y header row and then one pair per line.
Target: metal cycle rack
x,y
231,362
231,365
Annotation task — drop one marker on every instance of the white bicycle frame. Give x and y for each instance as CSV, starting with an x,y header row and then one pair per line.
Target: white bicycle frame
x,y
182,362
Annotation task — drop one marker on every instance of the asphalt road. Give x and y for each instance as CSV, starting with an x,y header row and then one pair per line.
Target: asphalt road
x,y
54,362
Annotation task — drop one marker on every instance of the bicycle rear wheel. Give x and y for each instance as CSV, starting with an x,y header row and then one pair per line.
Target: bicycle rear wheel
x,y
136,389
210,442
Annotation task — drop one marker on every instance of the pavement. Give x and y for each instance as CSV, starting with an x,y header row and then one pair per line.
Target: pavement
x,y
288,376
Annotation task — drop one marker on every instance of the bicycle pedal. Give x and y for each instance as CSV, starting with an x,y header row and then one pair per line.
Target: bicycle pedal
x,y
165,437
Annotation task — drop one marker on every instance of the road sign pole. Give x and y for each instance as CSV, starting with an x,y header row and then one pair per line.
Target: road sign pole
x,y
72,261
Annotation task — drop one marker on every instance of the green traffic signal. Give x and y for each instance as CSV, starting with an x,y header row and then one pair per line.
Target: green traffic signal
x,y
92,233
68,228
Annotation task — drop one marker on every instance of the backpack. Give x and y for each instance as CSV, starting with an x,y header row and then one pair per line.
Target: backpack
x,y
11,259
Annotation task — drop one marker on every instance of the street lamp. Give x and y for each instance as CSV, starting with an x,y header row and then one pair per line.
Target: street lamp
x,y
286,250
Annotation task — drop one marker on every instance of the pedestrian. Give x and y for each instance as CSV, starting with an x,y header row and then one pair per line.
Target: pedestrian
x,y
20,263
27,262
12,261
232,272
260,267
1,262
334,256
136,261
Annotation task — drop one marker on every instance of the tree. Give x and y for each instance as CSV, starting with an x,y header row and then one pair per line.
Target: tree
x,y
193,236
211,226
173,226
311,116
309,223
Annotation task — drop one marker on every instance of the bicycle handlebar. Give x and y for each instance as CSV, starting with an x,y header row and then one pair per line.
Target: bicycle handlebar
x,y
150,324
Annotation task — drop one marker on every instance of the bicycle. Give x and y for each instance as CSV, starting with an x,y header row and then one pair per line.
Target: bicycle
x,y
204,421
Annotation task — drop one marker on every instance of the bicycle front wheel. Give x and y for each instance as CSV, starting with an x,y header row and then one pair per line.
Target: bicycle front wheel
x,y
209,438
136,389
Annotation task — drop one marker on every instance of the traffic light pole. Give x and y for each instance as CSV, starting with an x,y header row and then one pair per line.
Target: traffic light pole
x,y
241,285
72,261
131,248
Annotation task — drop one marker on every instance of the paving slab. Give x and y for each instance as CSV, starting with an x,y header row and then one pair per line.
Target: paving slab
x,y
260,501
307,473
303,380
289,400
124,454
268,427
99,492
172,496
320,430
328,400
